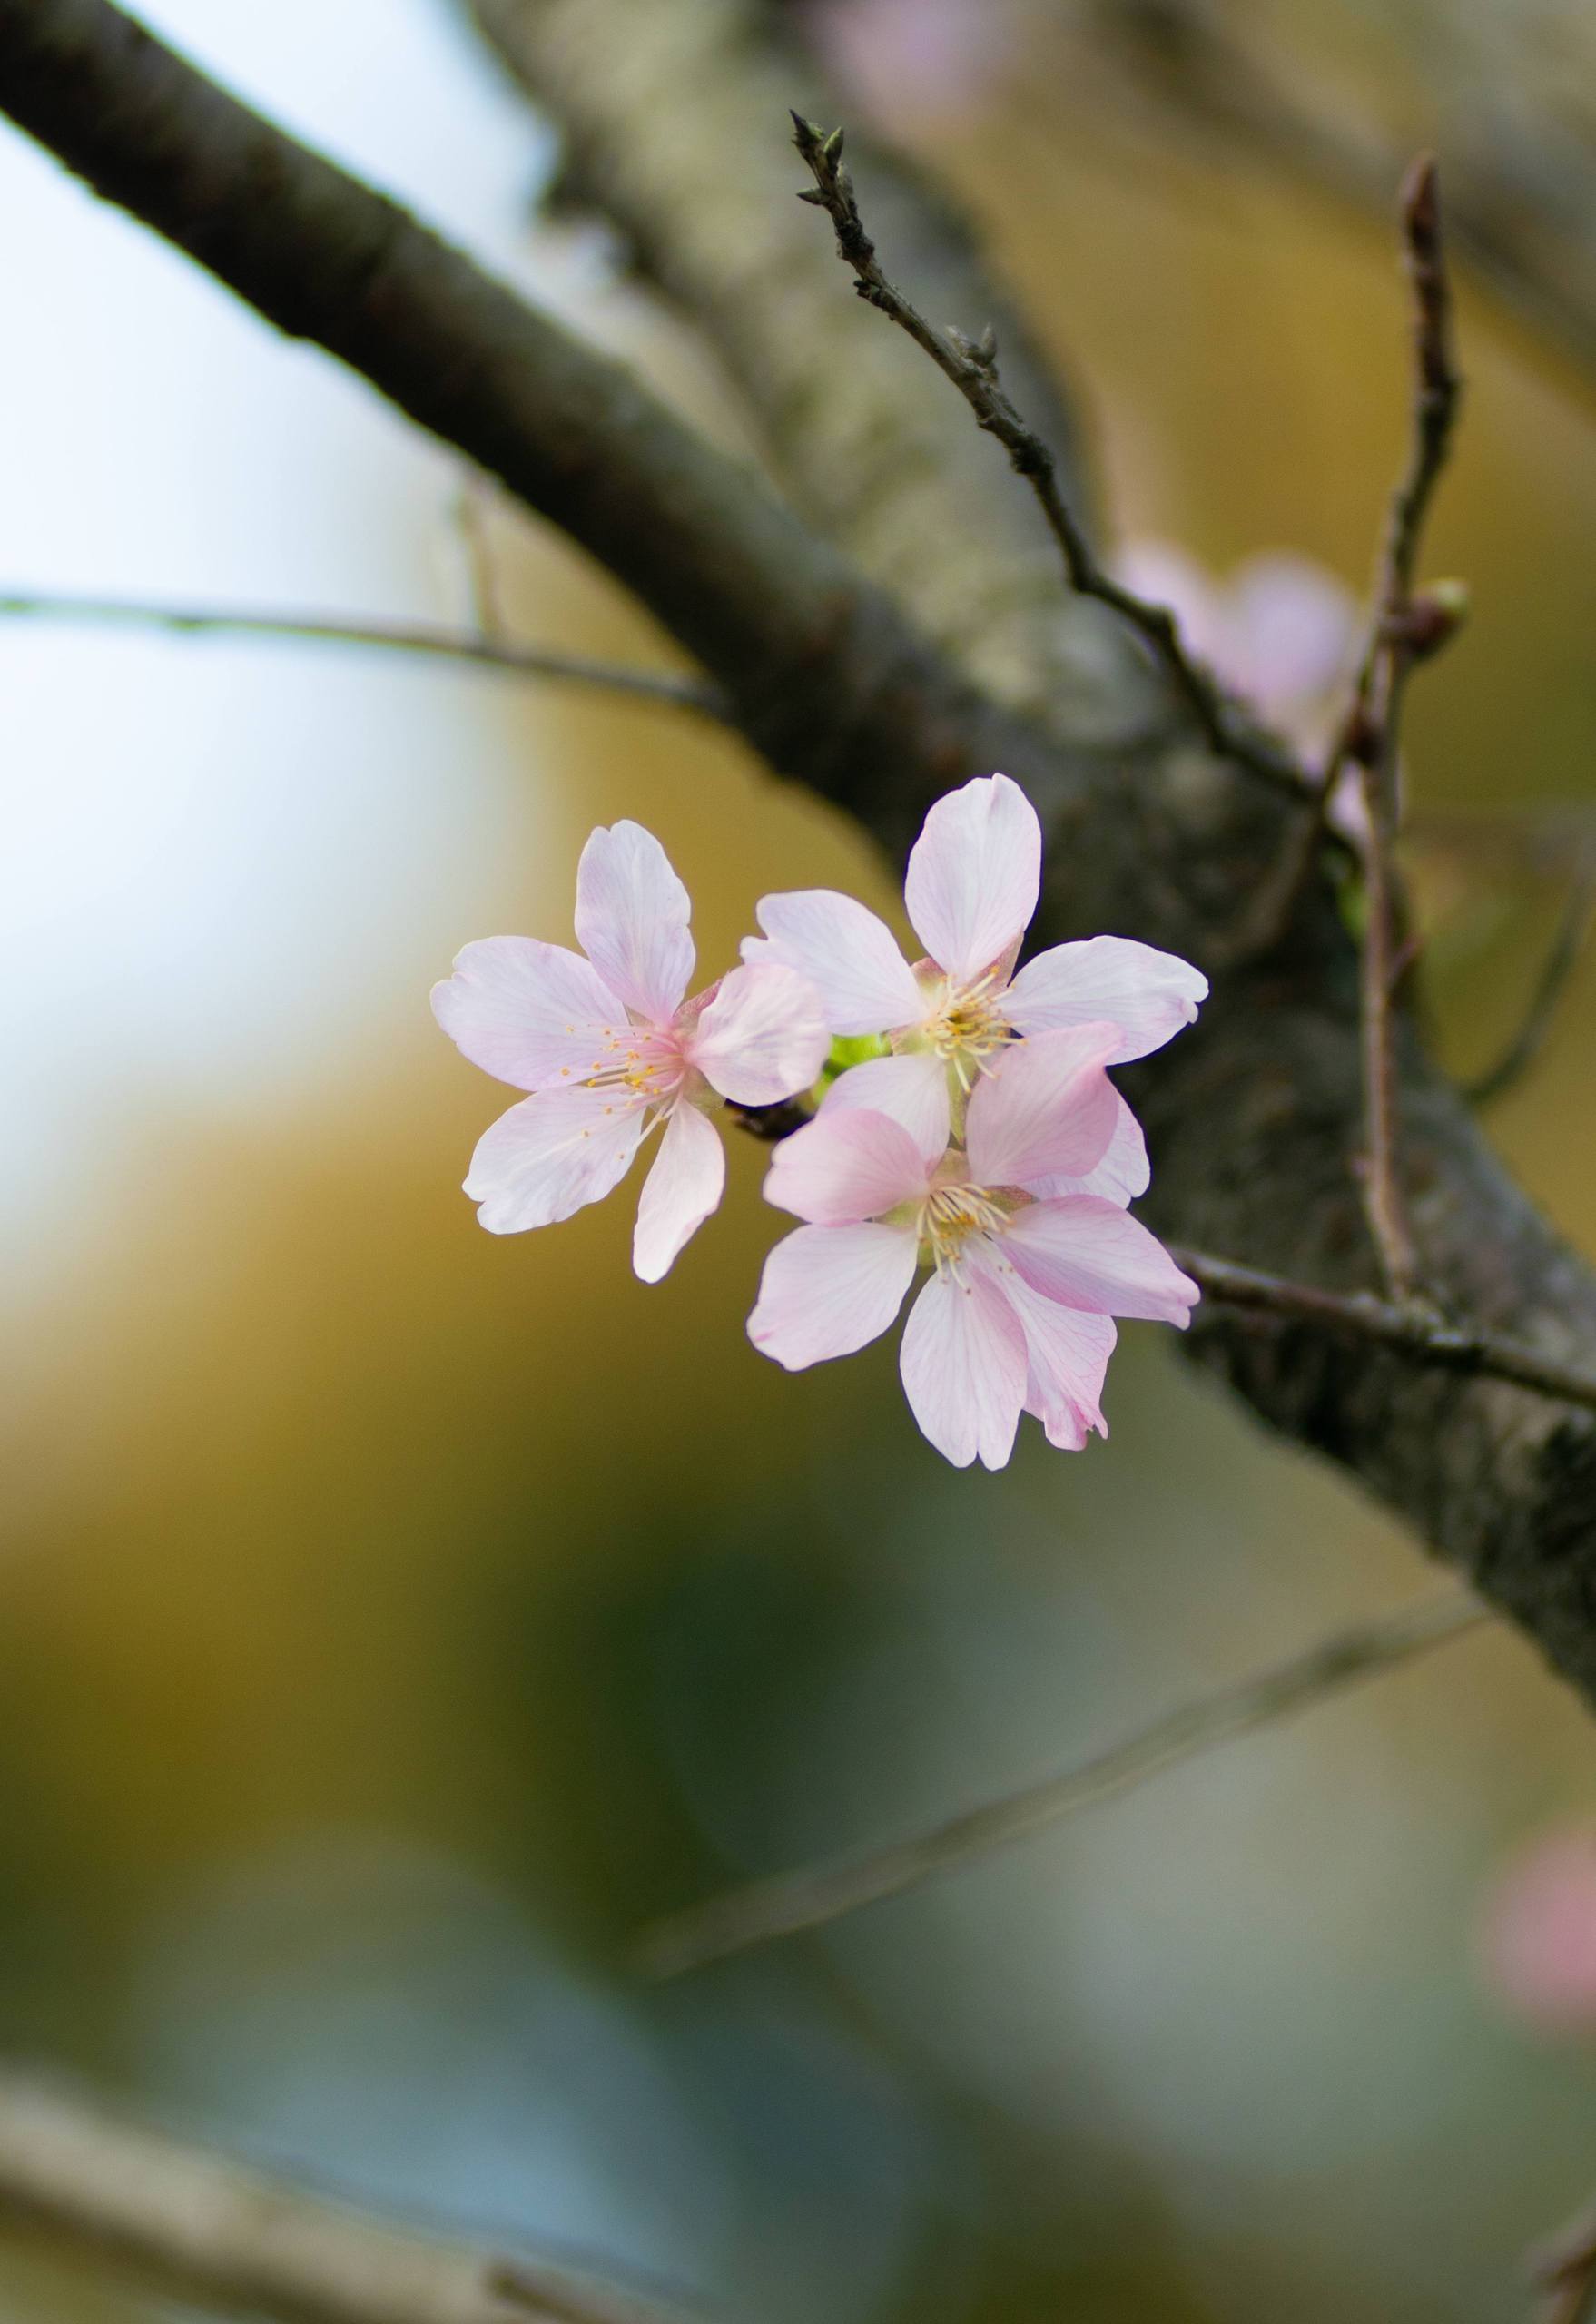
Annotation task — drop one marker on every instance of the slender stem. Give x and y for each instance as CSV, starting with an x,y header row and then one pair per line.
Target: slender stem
x,y
388,636
1414,1329
972,366
793,1902
187,2223
1371,737
1563,957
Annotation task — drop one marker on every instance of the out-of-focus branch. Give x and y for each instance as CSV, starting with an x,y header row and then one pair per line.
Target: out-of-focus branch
x,y
191,2224
1521,167
972,365
1564,2269
1371,737
1562,958
793,1902
386,636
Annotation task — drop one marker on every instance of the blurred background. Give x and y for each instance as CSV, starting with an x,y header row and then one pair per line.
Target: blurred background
x,y
393,1618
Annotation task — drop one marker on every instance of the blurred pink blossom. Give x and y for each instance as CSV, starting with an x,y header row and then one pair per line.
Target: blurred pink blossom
x,y
1016,1315
1538,1933
611,1050
973,878
915,60
1279,631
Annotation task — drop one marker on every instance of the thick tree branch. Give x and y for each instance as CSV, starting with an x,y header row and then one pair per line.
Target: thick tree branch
x,y
1254,1117
386,636
790,1903
191,2224
737,579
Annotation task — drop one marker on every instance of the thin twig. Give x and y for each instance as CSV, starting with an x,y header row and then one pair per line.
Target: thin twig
x,y
400,637
470,514
972,364
1414,1329
1401,633
810,1898
200,2227
1563,957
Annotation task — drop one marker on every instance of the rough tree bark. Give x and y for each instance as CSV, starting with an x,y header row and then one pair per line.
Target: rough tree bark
x,y
926,655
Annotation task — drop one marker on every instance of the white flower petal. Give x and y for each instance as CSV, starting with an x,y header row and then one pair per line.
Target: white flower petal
x,y
762,1037
851,957
828,1291
1046,1108
974,874
530,1013
1087,1252
679,1193
963,1366
632,916
1068,1353
1149,994
910,1091
549,1156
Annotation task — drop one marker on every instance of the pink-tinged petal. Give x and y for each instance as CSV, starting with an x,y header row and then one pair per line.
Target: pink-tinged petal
x,y
762,1037
530,1013
846,1167
1048,1109
1149,994
1538,1941
829,1291
1088,1252
549,1156
974,873
1123,1173
910,1091
963,1367
631,915
1068,1353
680,1191
850,956
1295,631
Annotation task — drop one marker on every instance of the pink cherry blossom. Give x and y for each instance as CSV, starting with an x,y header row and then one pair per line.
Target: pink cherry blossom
x,y
611,1050
973,879
1017,1314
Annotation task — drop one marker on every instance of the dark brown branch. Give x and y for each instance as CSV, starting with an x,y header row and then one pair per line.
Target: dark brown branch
x,y
791,1903
388,636
187,2223
1414,1329
972,365
1562,958
1400,635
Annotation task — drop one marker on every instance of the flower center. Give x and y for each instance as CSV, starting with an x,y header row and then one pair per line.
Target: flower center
x,y
967,1024
636,1066
950,1217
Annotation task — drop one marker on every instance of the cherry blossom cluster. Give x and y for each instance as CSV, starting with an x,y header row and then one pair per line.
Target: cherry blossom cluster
x,y
962,1123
